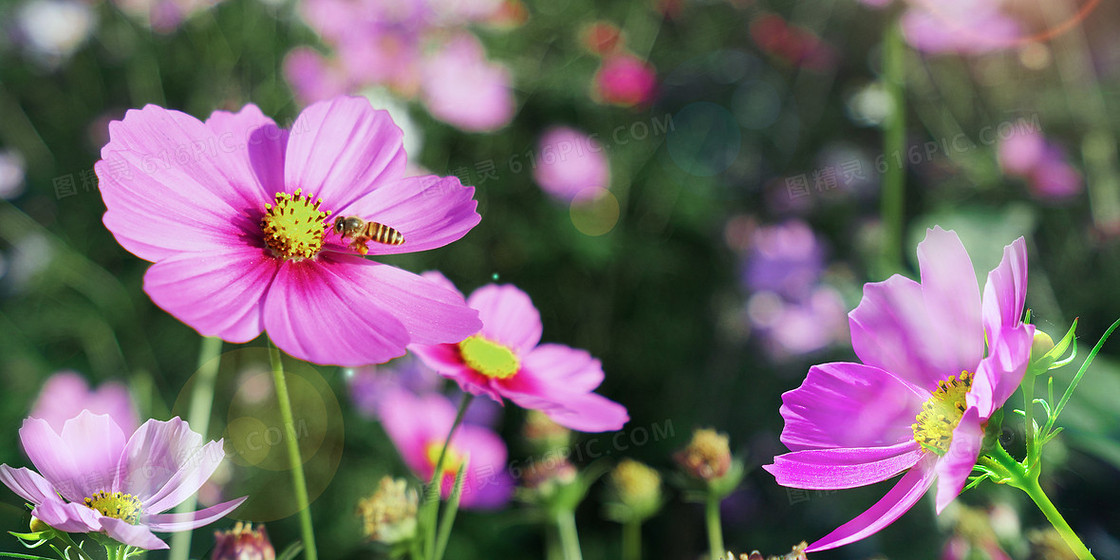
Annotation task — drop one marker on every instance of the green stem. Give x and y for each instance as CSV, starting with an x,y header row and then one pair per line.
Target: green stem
x,y
632,540
715,529
552,544
569,538
65,538
299,482
1034,490
449,511
430,508
198,417
1028,418
894,150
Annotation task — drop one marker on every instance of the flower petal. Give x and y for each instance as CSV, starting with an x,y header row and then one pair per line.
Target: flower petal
x,y
192,474
169,185
889,331
135,535
590,412
1005,292
835,468
952,300
953,469
28,484
171,522
429,211
68,517
217,293
557,369
256,146
79,461
1000,374
508,316
896,502
844,404
486,481
324,312
341,149
154,455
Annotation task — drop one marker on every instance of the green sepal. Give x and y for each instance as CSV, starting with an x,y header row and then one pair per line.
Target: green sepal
x,y
992,431
1050,360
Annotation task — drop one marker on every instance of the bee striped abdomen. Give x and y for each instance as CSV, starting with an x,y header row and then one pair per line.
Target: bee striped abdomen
x,y
381,233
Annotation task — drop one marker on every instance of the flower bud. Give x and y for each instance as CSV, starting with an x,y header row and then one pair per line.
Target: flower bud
x,y
543,433
707,456
541,475
389,515
1041,345
37,525
638,487
243,543
796,553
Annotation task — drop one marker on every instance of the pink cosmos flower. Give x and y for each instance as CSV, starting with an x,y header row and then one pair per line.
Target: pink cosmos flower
x,y
235,213
920,400
504,360
418,427
626,80
94,481
66,394
569,162
1028,154
313,77
460,87
956,26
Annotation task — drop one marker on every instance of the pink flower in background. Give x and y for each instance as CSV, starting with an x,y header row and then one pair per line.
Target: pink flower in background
x,y
956,26
793,44
164,15
460,87
505,359
418,427
569,162
314,77
236,215
372,386
66,394
624,79
1049,176
94,481
927,385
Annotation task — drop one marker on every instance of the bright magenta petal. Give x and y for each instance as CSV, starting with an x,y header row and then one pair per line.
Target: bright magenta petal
x,y
170,522
1005,292
322,312
218,293
135,535
429,211
509,317
552,369
836,468
340,149
849,405
1000,374
953,469
257,147
898,501
953,330
169,186
486,483
589,412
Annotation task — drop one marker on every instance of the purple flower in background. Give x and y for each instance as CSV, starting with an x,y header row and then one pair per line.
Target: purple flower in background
x,y
1049,176
371,386
164,15
799,327
569,162
921,398
314,77
93,480
786,259
66,394
462,88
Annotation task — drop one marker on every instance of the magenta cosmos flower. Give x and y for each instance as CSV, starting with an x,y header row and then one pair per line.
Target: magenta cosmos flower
x,y
504,360
236,214
921,398
418,426
66,394
94,481
624,79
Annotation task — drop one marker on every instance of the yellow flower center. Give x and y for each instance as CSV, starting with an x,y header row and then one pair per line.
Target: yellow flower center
x,y
452,460
941,413
125,507
294,227
489,358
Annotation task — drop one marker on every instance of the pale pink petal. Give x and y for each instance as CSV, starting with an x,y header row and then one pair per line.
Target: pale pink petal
x,y
896,502
218,293
257,147
953,330
1000,374
28,484
154,454
68,517
81,460
1005,292
836,468
171,522
509,317
66,393
170,186
340,149
135,535
849,405
192,474
52,458
889,331
428,211
325,312
953,469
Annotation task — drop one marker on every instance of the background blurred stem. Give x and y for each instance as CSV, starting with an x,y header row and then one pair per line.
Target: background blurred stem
x,y
202,398
894,151
430,508
299,482
715,529
632,540
569,538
